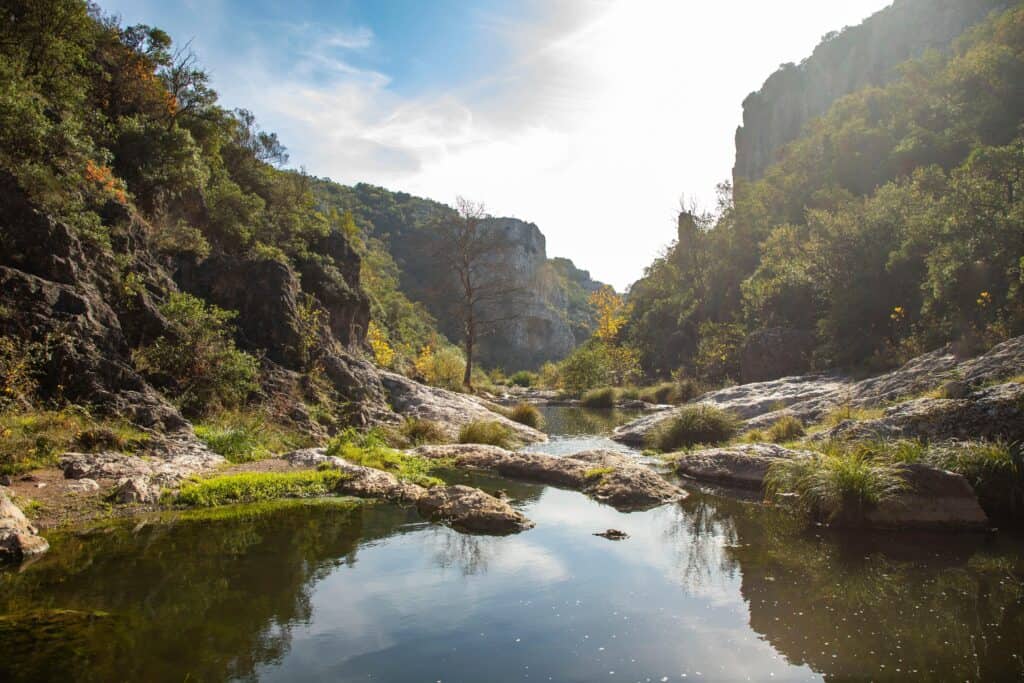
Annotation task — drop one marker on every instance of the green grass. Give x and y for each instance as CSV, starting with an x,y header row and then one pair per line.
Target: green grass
x,y
488,432
417,432
597,473
838,487
846,412
527,414
786,428
600,398
255,487
370,450
994,468
696,424
244,436
36,438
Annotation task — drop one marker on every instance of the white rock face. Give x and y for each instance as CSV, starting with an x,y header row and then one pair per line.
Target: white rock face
x,y
19,540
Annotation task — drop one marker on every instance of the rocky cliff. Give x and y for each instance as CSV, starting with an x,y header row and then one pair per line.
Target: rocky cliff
x,y
846,61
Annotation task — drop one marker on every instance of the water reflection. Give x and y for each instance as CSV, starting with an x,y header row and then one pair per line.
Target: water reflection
x,y
573,429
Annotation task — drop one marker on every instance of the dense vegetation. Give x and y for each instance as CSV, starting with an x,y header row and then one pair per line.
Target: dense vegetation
x,y
892,225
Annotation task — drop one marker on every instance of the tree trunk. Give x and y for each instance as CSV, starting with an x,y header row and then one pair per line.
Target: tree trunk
x,y
467,379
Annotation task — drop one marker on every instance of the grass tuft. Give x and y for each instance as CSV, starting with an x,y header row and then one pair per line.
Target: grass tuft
x,y
994,468
696,424
527,414
488,432
786,428
417,432
597,473
370,450
242,436
255,487
600,398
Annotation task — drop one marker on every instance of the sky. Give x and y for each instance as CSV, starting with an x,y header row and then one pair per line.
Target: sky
x,y
590,118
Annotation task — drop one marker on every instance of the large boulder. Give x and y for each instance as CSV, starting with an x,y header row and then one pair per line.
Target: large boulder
x,y
775,352
19,540
449,409
606,476
934,499
743,466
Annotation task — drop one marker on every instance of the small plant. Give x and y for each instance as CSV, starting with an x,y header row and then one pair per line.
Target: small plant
x,y
599,398
838,487
597,473
663,393
846,412
417,431
786,428
523,378
994,468
370,450
696,424
254,487
527,414
242,436
488,432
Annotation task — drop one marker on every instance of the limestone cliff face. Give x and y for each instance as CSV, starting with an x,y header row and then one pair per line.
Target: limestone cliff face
x,y
541,329
844,62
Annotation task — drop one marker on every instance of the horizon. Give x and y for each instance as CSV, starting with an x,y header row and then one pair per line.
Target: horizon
x,y
594,99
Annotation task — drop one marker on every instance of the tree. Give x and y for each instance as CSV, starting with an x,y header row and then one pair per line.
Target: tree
x,y
486,292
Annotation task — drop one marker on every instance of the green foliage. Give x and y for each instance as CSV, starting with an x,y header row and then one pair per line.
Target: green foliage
x,y
718,351
596,473
786,428
692,425
256,487
370,450
523,378
198,363
441,367
244,436
31,439
600,398
994,468
19,365
488,432
527,414
417,432
838,486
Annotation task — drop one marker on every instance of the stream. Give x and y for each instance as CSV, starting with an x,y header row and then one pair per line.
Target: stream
x,y
713,588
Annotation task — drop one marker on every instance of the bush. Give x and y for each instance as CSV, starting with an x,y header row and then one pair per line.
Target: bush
x,y
786,428
254,487
198,362
666,392
688,389
418,432
838,487
584,369
994,468
527,414
444,367
548,376
488,432
600,398
697,424
523,378
247,436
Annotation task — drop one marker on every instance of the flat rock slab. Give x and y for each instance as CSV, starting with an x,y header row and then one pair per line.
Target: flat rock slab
x,y
19,540
449,409
462,507
743,466
606,476
934,499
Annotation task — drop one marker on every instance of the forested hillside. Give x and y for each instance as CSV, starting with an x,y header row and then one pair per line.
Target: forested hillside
x,y
894,223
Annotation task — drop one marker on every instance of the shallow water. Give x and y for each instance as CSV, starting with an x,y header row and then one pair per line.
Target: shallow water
x,y
710,589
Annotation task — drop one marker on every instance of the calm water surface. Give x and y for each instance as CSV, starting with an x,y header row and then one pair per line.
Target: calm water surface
x,y
711,589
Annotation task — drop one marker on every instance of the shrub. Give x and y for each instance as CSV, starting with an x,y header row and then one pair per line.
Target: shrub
x,y
198,361
697,424
254,487
488,432
838,487
442,367
523,378
548,376
527,414
18,363
786,428
688,389
994,468
417,431
600,398
584,369
666,392
247,436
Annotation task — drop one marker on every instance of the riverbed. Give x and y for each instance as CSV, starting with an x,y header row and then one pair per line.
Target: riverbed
x,y
713,588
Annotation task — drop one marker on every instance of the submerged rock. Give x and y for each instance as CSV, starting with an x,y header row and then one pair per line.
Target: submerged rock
x,y
449,409
463,507
603,475
743,466
19,540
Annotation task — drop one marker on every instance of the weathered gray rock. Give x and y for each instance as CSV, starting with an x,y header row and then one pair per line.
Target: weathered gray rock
x,y
449,409
463,507
934,499
470,509
135,491
603,475
743,466
82,485
19,540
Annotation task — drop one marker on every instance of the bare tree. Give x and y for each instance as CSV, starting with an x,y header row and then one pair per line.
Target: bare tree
x,y
486,291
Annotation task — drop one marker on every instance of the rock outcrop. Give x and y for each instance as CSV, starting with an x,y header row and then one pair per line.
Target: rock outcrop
x,y
463,507
606,476
743,466
19,540
843,63
449,409
934,499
